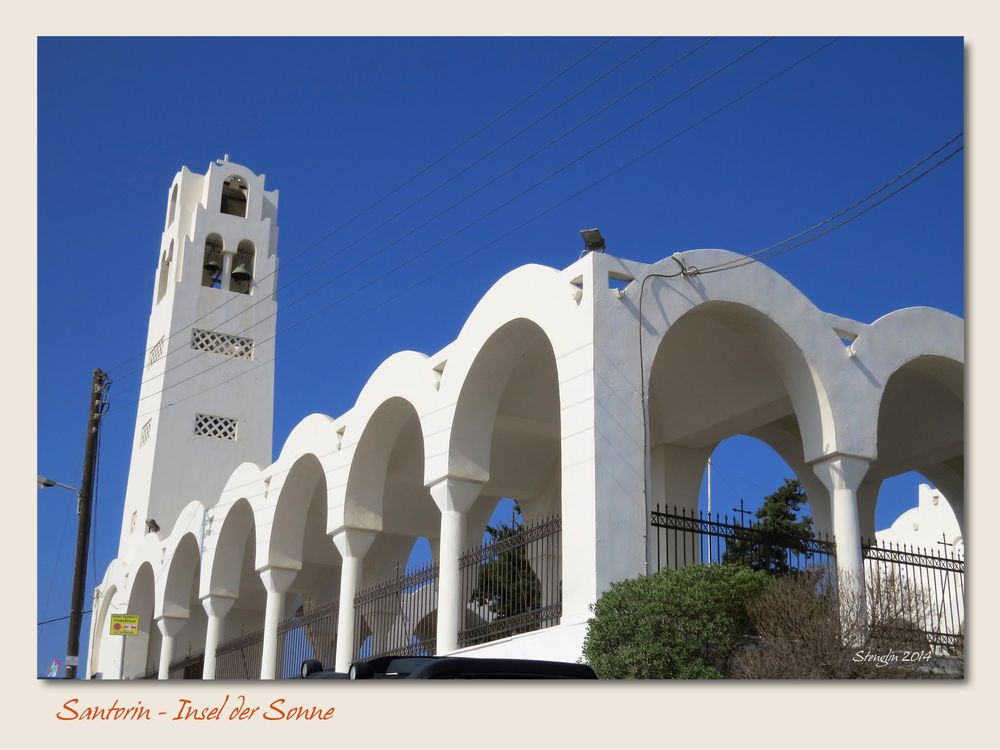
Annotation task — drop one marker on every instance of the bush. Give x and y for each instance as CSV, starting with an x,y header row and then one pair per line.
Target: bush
x,y
676,624
805,631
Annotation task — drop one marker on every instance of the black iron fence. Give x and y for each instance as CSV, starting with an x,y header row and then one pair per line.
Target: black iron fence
x,y
188,668
305,635
513,584
923,589
681,538
240,658
398,616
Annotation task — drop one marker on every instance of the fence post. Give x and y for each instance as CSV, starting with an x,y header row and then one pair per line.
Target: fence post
x,y
453,497
353,545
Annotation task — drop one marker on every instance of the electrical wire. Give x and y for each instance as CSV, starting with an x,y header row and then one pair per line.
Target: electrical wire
x,y
65,617
453,205
498,207
55,565
400,186
506,234
771,250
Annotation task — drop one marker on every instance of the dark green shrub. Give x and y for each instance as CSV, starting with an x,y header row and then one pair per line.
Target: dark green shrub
x,y
676,624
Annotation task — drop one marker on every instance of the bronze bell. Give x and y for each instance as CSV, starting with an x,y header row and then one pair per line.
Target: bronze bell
x,y
213,266
241,274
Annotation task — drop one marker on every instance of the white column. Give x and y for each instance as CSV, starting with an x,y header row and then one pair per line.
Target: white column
x,y
867,498
453,497
169,628
353,545
842,476
276,582
227,269
217,606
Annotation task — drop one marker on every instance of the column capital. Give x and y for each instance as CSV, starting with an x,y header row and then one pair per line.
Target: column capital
x,y
276,579
454,494
170,626
841,471
217,605
351,542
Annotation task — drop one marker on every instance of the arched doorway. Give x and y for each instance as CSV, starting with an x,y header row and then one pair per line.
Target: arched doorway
x,y
507,436
385,493
723,370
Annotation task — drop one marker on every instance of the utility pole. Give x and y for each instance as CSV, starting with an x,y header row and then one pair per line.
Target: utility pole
x,y
98,405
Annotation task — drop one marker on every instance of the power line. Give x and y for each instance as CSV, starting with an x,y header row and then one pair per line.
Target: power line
x,y
403,184
453,205
513,230
60,619
772,250
492,211
55,565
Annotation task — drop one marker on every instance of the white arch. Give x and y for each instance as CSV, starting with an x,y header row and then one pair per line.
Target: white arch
x,y
800,342
225,536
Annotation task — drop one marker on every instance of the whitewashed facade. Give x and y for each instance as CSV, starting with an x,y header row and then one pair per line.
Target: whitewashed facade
x,y
550,394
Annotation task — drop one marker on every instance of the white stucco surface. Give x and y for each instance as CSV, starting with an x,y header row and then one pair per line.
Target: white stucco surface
x,y
556,392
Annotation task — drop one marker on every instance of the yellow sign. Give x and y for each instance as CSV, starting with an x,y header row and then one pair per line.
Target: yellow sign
x,y
124,624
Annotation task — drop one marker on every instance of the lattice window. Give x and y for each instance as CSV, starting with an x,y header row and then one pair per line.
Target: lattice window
x,y
144,432
223,428
222,343
157,351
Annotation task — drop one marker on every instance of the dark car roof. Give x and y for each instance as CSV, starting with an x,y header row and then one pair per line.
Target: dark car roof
x,y
458,668
464,668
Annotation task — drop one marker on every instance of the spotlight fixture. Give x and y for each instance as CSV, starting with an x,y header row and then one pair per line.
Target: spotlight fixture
x,y
152,526
593,240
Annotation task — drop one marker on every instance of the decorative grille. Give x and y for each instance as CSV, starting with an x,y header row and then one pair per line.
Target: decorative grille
x,y
157,351
222,343
144,433
217,427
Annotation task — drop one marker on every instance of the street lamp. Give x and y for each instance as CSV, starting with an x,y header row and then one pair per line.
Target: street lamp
x,y
75,611
98,405
46,482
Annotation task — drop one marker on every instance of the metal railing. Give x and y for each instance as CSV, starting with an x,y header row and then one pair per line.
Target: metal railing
x,y
240,658
308,634
513,584
188,668
398,616
924,589
682,538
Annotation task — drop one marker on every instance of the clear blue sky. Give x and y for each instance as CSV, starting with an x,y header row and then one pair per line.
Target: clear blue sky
x,y
336,123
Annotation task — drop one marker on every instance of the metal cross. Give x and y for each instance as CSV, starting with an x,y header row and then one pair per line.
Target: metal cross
x,y
945,543
742,511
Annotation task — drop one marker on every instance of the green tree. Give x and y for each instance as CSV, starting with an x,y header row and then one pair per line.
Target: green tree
x,y
778,532
684,623
506,583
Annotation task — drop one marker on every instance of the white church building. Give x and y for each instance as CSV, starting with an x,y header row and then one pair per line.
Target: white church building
x,y
588,394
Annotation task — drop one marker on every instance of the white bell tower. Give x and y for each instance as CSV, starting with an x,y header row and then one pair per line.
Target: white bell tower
x,y
207,396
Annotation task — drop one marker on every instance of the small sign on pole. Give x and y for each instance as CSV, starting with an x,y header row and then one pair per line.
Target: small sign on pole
x,y
124,624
